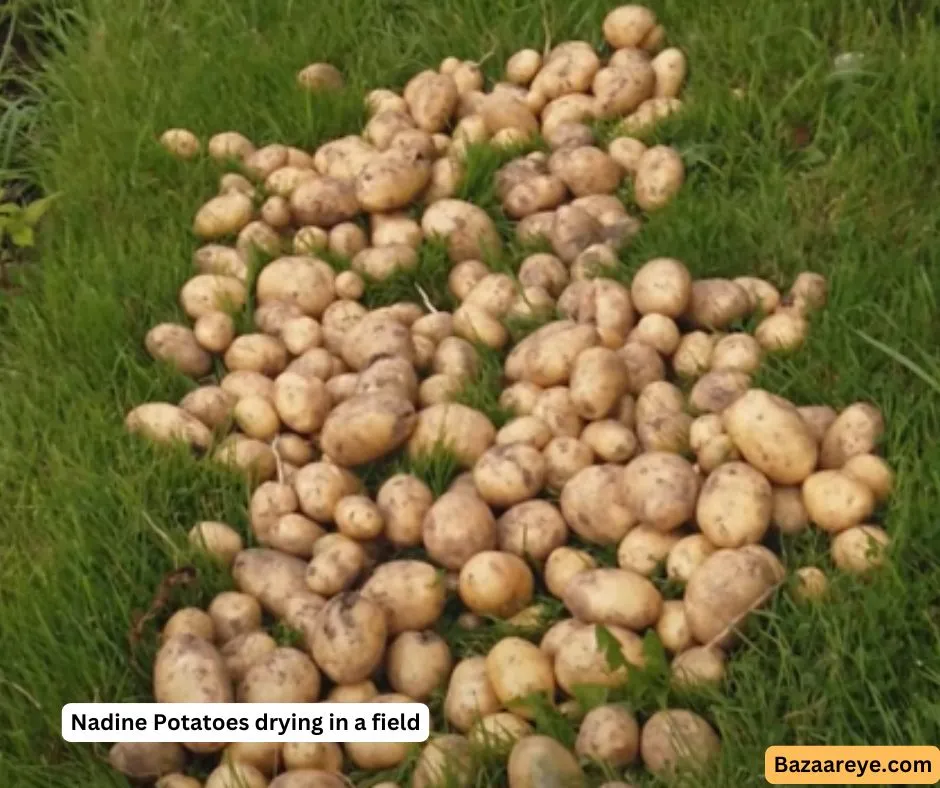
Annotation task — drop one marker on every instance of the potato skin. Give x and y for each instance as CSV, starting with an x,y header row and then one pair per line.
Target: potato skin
x,y
580,660
495,583
660,174
458,526
661,489
349,638
676,735
146,761
856,430
270,576
594,504
177,345
469,694
540,761
516,669
511,474
598,380
286,675
161,421
189,669
609,734
836,501
771,436
411,593
464,431
613,596
367,427
735,505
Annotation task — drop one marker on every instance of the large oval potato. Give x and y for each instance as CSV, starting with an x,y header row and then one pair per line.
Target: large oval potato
x,y
540,761
411,592
349,638
324,201
467,229
836,501
598,381
531,529
856,430
609,734
613,596
302,281
581,659
494,583
660,174
517,670
320,486
771,436
458,526
367,427
161,421
470,694
594,504
465,432
735,505
676,738
147,761
270,576
661,489
286,675
189,669
507,475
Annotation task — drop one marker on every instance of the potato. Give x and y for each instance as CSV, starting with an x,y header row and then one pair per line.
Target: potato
x,y
146,761
270,576
294,534
771,436
219,540
598,381
343,158
257,353
212,405
594,506
609,734
529,430
532,529
467,229
737,351
360,692
379,755
347,239
410,592
697,666
619,91
258,238
230,145
206,293
391,181
644,548
367,427
336,563
811,584
222,216
582,661
384,125
809,291
856,430
189,621
234,774
189,669
234,614
781,331
269,502
418,663
537,761
522,67
470,695
788,514
724,589
263,756
243,651
717,303
686,555
735,505
586,170
873,472
556,409
568,68
310,241
661,489
565,457
644,365
395,229
465,432
323,755
308,778
716,391
495,583
349,637
214,331
836,501
358,518
456,527
251,457
628,26
271,316
659,332
507,475
324,201
546,357
285,675
257,418
676,738
373,336
403,502
501,110
520,398
670,68
673,627
432,99
517,670
499,732
445,760
613,596
763,296
220,260
178,346
610,440
296,280
320,486
573,231
694,354
163,422
660,174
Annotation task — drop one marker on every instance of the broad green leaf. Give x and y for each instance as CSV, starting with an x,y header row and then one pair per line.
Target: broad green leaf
x,y
23,236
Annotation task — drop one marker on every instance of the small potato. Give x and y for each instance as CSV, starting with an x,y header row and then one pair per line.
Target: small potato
x,y
270,576
251,457
310,240
217,539
613,596
788,514
626,151
594,505
257,418
394,229
558,633
432,99
335,565
522,67
645,548
564,457
693,356
308,778
660,174
206,293
269,502
573,231
234,614
610,735
166,423
146,761
620,91
297,280
182,143
569,136
360,692
258,238
520,398
189,621
293,534
234,774
243,651
271,316
715,391
320,486
529,430
677,738
582,661
466,432
230,145
818,418
836,501
257,353
540,760
771,436
458,526
477,325
347,239
697,666
717,303
644,365
319,77
323,755
628,26
809,291
499,732
373,336
300,334
403,502
394,375
286,675
495,583
873,472
610,440
856,430
586,170
686,555
358,518
599,379
546,357
447,759
670,68
410,592
324,202
349,639
661,489
507,475
735,505
811,584
782,331
564,564
673,628
568,69
189,669
659,332
470,694
517,670
532,529
456,357
367,427
418,663
214,332
501,110
178,346
738,351
220,260
391,181
223,216
724,589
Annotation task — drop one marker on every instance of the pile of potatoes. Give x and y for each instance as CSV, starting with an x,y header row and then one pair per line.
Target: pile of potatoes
x,y
635,431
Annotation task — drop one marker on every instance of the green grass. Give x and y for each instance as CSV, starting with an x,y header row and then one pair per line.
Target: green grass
x,y
92,520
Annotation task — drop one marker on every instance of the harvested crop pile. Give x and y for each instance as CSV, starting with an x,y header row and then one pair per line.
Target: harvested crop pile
x,y
568,460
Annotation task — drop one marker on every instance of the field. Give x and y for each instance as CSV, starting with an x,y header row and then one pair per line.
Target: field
x,y
793,166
